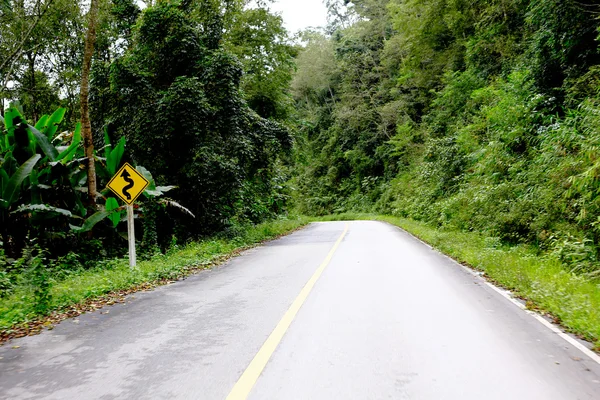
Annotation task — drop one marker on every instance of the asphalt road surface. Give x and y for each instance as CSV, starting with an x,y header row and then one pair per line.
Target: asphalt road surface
x,y
357,310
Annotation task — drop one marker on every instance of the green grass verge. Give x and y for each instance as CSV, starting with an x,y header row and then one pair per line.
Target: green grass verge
x,y
20,307
542,280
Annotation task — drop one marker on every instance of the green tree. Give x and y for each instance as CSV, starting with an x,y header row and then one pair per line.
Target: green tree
x,y
177,87
259,40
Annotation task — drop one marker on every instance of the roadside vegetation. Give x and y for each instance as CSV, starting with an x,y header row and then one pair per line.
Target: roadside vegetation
x,y
50,290
476,124
473,124
194,94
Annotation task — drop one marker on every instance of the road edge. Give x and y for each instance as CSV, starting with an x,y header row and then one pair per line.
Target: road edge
x,y
560,330
47,322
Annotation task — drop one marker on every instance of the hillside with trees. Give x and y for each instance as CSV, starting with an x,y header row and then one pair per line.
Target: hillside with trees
x,y
479,116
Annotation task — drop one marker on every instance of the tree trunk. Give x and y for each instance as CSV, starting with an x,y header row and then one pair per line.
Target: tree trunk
x,y
86,126
32,88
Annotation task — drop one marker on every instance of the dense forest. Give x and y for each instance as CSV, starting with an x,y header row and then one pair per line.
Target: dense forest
x,y
194,93
470,115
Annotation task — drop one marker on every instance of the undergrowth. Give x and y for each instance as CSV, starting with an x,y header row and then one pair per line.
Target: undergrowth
x,y
39,293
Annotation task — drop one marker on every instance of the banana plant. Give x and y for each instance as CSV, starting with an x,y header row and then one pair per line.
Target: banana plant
x,y
43,178
11,186
35,173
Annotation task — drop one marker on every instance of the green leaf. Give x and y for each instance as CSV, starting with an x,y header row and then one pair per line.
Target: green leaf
x,y
9,164
3,180
47,147
42,208
113,204
158,191
114,158
32,142
17,106
68,154
89,223
35,193
42,123
11,193
79,206
5,6
172,203
53,122
9,116
146,174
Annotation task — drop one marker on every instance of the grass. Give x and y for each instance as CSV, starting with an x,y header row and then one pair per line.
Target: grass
x,y
573,300
20,308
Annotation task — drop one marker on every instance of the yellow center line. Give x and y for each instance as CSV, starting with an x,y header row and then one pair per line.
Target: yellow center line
x,y
244,385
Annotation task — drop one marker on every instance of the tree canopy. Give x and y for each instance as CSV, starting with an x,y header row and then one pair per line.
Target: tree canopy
x,y
472,115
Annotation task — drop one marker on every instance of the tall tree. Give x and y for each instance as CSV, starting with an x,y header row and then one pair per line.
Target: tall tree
x,y
257,37
86,126
19,21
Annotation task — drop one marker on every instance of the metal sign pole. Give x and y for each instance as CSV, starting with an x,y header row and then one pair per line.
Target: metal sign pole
x,y
131,236
128,183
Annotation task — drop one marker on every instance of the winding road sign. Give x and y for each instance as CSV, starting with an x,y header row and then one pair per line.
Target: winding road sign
x,y
128,184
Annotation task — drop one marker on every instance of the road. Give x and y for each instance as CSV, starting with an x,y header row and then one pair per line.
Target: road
x,y
357,310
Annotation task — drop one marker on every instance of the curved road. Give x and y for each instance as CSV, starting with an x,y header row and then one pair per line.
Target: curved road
x,y
357,310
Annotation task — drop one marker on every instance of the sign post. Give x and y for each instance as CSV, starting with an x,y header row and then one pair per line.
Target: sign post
x,y
128,184
131,236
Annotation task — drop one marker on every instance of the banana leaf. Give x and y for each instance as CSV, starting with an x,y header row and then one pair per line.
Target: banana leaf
x,y
35,191
152,190
43,208
47,147
12,190
9,115
68,154
146,174
114,158
89,223
42,123
111,205
173,203
3,180
53,122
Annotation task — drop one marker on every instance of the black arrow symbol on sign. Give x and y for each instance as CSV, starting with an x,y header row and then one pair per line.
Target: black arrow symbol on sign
x,y
130,183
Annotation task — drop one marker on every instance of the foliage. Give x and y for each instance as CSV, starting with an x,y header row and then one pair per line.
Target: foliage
x,y
178,86
260,42
42,185
69,291
480,116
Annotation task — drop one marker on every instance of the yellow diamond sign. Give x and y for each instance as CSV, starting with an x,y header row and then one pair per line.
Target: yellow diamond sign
x,y
128,184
